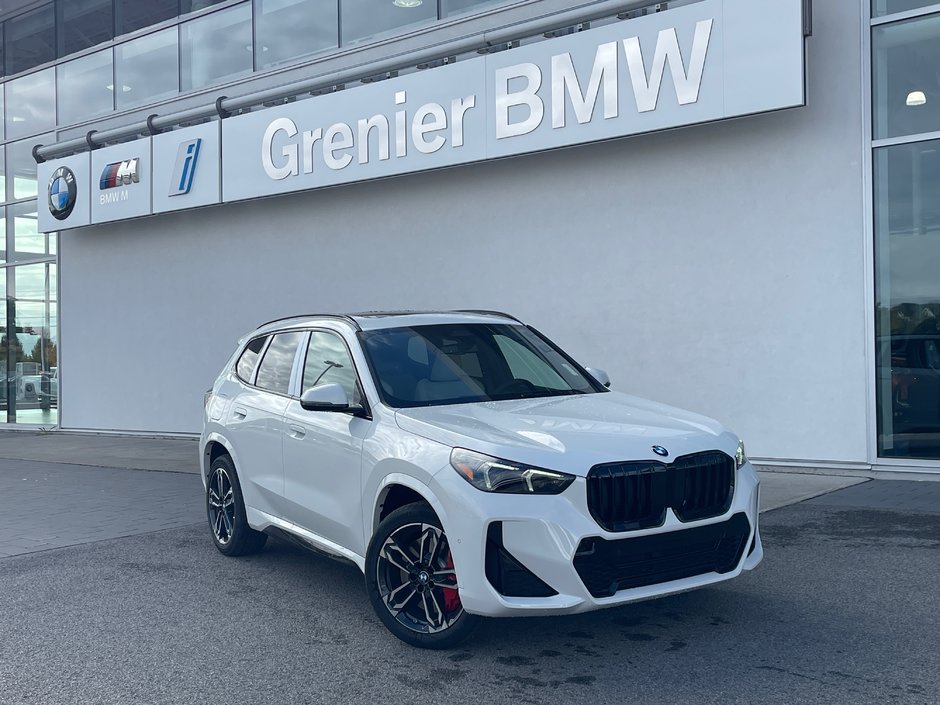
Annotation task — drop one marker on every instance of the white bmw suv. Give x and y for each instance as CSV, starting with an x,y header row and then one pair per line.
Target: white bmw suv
x,y
468,467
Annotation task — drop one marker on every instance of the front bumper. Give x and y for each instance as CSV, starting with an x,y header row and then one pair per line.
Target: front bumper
x,y
544,533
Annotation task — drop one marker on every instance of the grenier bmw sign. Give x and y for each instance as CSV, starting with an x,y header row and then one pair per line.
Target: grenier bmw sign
x,y
706,61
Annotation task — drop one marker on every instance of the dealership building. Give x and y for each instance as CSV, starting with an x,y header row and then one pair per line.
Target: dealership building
x,y
732,206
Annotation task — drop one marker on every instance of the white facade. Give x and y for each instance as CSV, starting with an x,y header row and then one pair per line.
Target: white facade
x,y
720,268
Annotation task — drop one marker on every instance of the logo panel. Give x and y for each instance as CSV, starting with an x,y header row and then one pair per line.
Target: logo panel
x,y
659,450
63,192
185,169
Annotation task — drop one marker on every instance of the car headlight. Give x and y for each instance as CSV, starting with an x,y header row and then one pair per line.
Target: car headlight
x,y
495,475
740,457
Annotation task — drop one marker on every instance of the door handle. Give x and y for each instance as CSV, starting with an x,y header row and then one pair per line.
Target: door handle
x,y
297,431
240,412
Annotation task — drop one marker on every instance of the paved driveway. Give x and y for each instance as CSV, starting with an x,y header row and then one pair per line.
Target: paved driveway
x,y
843,610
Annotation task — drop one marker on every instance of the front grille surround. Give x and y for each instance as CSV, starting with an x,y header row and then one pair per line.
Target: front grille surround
x,y
633,495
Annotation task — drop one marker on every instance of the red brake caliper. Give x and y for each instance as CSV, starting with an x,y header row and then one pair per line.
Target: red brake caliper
x,y
451,596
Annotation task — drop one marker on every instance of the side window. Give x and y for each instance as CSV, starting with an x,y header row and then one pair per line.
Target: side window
x,y
274,370
525,364
245,366
327,362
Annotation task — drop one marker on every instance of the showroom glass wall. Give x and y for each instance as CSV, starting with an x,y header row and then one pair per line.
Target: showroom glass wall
x,y
906,175
66,62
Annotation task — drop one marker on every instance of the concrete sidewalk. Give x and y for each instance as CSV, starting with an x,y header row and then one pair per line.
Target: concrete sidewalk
x,y
778,489
109,451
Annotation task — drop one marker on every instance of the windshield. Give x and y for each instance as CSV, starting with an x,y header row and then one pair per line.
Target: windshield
x,y
461,363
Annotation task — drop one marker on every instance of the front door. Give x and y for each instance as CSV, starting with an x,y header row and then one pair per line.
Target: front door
x,y
323,449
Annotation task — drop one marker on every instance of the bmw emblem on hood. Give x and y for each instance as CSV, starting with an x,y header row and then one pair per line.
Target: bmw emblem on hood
x,y
62,193
659,450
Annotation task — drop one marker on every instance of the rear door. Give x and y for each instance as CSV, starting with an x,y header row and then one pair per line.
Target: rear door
x,y
255,419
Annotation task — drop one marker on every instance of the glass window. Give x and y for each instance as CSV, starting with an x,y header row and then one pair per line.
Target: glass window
x,y
131,15
86,87
147,69
328,362
245,367
524,364
21,167
455,7
195,5
288,29
1,98
367,19
907,299
906,94
3,188
216,47
30,39
30,104
879,8
83,24
275,368
28,347
3,241
455,364
28,242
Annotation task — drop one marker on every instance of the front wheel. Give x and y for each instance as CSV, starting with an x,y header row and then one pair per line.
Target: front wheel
x,y
412,582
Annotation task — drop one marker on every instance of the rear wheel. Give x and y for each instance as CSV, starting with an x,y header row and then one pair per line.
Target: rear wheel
x,y
225,508
412,582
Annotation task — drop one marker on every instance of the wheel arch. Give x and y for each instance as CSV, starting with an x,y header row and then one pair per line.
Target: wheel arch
x,y
398,490
215,446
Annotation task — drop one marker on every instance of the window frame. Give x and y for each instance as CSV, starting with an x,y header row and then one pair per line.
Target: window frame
x,y
293,370
300,364
241,354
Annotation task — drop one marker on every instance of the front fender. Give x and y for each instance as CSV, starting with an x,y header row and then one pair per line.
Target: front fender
x,y
411,483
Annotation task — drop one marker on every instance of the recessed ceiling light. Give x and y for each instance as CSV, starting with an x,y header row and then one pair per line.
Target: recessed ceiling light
x,y
124,88
915,98
406,3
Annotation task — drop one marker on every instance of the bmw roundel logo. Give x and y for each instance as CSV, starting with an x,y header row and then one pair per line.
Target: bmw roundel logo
x,y
62,193
659,450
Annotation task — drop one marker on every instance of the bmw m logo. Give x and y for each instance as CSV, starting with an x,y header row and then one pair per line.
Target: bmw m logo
x,y
62,193
659,450
120,174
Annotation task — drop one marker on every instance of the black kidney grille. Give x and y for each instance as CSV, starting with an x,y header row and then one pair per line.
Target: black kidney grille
x,y
635,495
628,496
605,567
704,485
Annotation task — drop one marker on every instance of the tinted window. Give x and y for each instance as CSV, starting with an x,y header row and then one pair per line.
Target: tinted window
x,y
452,364
30,39
288,29
328,362
274,370
147,68
83,23
134,14
216,47
246,363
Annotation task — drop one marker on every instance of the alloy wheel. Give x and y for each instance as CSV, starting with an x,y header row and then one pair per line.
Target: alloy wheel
x,y
221,505
416,578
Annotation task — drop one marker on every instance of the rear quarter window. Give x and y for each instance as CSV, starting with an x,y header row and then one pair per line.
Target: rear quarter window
x,y
245,367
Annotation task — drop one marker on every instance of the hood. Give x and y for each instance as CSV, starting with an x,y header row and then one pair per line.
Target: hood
x,y
570,433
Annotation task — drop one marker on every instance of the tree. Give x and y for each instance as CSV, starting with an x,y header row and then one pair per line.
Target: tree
x,y
50,353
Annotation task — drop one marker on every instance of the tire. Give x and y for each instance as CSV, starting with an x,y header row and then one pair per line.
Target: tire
x,y
225,510
412,583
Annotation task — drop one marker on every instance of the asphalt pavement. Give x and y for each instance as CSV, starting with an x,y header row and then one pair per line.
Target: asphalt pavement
x,y
843,610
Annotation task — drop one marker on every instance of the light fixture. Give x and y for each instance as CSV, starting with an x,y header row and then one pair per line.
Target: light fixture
x,y
407,3
915,98
124,88
249,47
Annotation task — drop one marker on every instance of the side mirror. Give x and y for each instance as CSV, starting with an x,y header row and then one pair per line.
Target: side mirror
x,y
325,397
599,375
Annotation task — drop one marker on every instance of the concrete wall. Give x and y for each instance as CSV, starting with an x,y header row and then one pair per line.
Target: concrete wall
x,y
718,268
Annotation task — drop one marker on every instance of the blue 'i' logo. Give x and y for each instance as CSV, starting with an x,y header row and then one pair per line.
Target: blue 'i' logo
x,y
185,169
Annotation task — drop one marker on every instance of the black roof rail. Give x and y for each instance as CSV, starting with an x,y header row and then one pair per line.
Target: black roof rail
x,y
485,312
339,316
